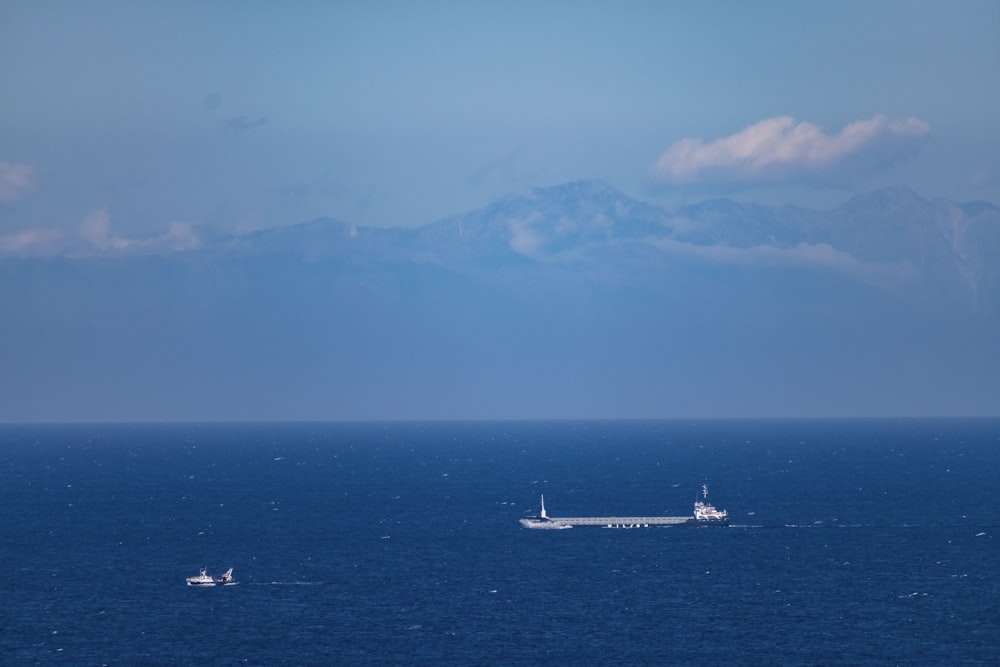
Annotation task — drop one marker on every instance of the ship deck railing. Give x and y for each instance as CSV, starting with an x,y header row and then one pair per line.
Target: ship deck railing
x,y
621,520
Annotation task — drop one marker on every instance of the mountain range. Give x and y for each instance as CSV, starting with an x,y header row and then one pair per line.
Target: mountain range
x,y
935,251
564,302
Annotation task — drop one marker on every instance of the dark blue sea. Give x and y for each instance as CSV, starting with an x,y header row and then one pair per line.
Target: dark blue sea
x,y
853,543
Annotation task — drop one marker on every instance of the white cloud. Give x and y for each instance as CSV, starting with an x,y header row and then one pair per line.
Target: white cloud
x,y
95,229
15,180
781,149
820,256
32,241
180,236
524,239
94,235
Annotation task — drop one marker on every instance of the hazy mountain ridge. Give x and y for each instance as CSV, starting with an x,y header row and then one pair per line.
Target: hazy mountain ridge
x,y
564,302
893,227
891,238
935,251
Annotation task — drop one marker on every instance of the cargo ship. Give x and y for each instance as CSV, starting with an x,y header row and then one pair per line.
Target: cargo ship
x,y
705,514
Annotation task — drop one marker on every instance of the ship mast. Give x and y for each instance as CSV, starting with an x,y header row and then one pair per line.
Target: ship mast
x,y
543,514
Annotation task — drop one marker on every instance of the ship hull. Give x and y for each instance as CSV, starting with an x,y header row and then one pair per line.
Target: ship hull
x,y
544,524
706,522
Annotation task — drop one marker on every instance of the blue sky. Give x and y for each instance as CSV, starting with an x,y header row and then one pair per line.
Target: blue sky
x,y
139,119
136,127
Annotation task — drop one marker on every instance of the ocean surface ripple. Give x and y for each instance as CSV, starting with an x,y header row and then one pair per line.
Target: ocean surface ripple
x,y
852,542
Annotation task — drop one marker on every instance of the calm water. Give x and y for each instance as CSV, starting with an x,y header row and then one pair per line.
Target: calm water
x,y
855,542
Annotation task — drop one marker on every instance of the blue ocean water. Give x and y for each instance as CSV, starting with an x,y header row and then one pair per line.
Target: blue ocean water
x,y
853,543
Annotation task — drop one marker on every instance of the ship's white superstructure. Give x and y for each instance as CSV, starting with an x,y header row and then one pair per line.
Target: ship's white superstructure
x,y
705,512
202,579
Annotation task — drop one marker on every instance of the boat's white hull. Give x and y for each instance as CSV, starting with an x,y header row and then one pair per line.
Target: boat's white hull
x,y
544,524
205,580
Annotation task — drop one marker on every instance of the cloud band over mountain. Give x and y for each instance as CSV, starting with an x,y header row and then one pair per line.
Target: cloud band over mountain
x,y
94,236
15,180
781,149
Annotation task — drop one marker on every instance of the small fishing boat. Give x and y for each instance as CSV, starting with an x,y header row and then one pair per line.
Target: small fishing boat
x,y
203,579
